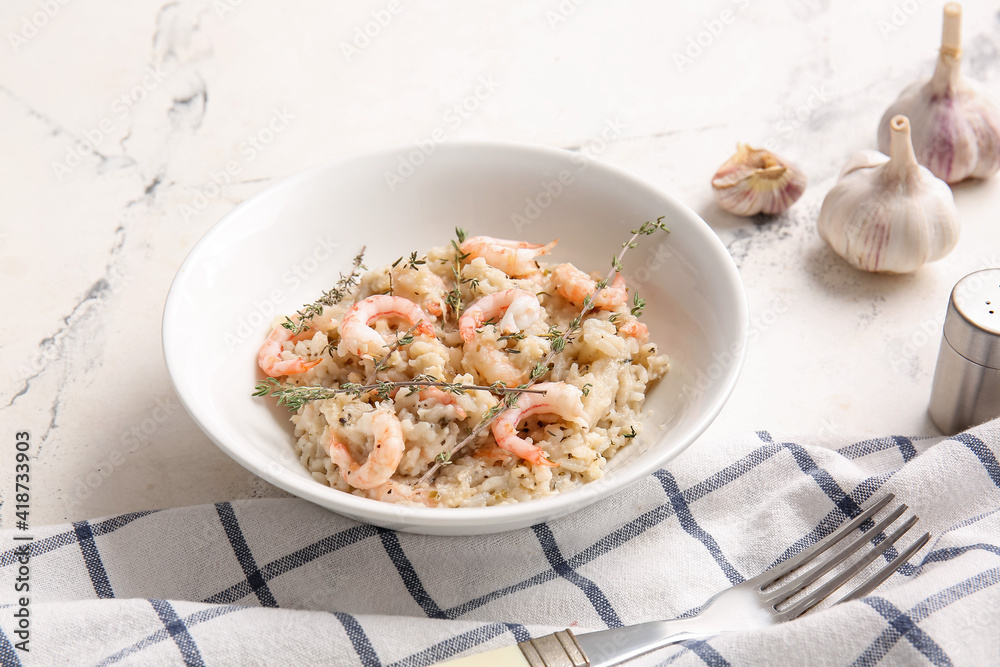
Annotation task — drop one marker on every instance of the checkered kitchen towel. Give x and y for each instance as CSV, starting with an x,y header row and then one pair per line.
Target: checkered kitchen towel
x,y
282,582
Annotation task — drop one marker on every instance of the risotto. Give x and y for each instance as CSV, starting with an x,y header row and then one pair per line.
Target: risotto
x,y
539,373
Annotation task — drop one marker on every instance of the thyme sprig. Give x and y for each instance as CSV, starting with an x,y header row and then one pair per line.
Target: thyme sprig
x,y
412,262
295,396
638,305
558,341
454,298
331,297
405,339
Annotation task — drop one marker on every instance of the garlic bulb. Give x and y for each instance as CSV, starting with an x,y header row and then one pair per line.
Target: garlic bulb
x,y
757,181
889,214
956,129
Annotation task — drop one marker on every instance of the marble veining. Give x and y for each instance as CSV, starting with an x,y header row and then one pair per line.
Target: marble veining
x,y
121,123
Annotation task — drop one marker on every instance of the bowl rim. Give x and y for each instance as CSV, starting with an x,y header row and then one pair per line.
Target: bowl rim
x,y
408,517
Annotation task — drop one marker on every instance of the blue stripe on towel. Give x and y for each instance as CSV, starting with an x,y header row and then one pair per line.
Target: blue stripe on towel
x,y
179,633
593,592
983,453
8,654
359,640
162,634
54,542
692,528
243,555
900,625
293,560
92,559
459,643
861,449
390,541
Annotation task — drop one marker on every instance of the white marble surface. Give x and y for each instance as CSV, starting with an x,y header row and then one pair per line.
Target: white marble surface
x,y
173,93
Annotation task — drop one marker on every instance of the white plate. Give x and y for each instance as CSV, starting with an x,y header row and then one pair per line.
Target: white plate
x,y
283,247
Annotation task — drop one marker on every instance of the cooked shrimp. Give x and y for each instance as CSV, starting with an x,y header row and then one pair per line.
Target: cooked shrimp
x,y
492,364
315,323
559,398
575,286
383,459
515,258
519,309
357,337
422,286
635,329
491,454
442,397
270,360
394,492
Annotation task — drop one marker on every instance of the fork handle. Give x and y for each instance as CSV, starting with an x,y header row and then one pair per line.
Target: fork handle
x,y
613,647
508,656
594,649
560,649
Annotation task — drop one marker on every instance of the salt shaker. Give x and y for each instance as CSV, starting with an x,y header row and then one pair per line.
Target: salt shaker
x,y
966,388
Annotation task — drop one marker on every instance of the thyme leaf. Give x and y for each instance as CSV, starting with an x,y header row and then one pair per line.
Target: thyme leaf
x,y
413,263
331,297
637,305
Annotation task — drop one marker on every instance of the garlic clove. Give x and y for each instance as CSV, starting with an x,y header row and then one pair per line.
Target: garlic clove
x,y
863,160
956,129
755,180
887,213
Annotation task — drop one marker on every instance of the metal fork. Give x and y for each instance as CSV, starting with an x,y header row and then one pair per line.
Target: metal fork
x,y
749,605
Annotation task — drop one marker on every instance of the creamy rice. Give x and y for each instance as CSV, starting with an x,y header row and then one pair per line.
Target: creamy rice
x,y
613,370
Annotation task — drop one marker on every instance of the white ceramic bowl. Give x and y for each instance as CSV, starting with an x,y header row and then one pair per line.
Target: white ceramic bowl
x,y
283,247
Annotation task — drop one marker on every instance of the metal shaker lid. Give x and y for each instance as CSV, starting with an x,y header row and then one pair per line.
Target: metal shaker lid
x,y
972,325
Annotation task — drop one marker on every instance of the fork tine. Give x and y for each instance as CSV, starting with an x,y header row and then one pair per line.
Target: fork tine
x,y
792,587
868,586
770,576
821,593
